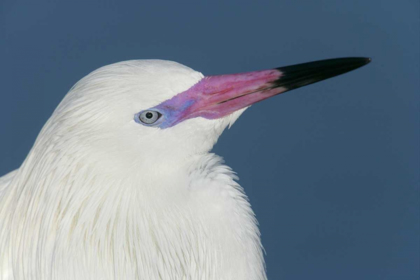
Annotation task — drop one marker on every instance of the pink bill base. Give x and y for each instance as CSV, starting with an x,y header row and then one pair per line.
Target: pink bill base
x,y
218,96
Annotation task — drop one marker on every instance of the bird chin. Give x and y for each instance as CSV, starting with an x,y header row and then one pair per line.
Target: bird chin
x,y
231,119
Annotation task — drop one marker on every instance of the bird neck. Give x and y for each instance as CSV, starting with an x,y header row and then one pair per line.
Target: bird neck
x,y
84,212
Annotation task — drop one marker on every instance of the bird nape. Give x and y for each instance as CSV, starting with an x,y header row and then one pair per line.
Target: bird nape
x,y
121,184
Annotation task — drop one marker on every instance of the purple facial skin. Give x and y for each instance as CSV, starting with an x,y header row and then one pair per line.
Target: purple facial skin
x,y
217,96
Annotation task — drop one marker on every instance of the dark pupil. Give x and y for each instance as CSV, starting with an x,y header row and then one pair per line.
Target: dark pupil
x,y
149,115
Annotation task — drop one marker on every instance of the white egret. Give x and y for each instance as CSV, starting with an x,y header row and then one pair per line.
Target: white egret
x,y
121,184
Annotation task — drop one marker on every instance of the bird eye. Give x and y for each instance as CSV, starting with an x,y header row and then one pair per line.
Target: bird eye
x,y
149,117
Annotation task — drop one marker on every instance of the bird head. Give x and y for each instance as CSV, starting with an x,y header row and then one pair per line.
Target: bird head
x,y
155,112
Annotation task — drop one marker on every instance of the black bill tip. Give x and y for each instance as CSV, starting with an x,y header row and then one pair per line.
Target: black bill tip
x,y
300,75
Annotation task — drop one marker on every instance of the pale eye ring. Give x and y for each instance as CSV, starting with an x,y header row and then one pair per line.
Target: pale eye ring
x,y
149,116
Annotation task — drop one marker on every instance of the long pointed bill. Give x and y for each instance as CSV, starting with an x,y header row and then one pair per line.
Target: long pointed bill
x,y
217,96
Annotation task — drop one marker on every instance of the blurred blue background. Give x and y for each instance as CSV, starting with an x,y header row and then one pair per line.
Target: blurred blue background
x,y
332,169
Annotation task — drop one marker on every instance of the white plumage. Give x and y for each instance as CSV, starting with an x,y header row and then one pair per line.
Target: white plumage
x,y
121,184
101,197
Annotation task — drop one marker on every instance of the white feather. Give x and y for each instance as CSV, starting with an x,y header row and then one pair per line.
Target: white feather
x,y
101,197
